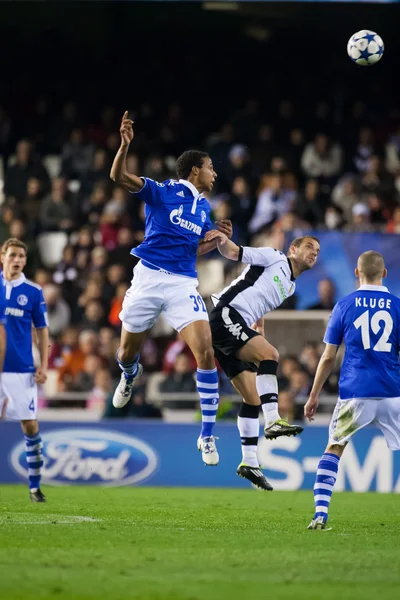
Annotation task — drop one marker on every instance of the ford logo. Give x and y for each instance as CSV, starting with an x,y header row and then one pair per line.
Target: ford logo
x,y
90,456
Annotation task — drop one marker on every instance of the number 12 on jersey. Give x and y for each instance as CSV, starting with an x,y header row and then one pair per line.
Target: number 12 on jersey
x,y
365,322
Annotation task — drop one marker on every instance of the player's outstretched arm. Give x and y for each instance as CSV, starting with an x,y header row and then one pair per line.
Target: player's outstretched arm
x,y
226,247
118,173
225,226
324,369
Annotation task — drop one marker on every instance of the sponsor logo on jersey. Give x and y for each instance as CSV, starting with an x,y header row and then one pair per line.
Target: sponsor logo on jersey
x,y
280,287
14,312
176,218
91,456
203,216
22,300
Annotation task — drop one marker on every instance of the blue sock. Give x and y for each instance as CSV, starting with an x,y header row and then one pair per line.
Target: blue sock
x,y
324,483
130,367
34,459
207,386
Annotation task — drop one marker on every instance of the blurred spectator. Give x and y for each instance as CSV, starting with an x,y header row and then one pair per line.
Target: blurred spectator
x,y
173,350
344,196
116,304
310,206
272,203
58,311
94,316
326,295
56,212
98,171
84,380
76,156
393,225
87,344
392,152
180,380
322,159
17,176
360,221
103,387
364,150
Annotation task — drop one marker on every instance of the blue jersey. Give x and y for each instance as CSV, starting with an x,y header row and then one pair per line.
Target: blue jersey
x,y
2,301
177,217
368,321
24,306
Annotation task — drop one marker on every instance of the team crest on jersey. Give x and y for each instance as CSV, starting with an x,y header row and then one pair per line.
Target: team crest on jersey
x,y
22,300
203,216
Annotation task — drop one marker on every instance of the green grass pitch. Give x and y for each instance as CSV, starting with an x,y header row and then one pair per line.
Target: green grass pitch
x,y
189,544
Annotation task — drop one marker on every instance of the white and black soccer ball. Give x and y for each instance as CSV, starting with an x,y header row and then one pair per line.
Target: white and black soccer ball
x,y
365,48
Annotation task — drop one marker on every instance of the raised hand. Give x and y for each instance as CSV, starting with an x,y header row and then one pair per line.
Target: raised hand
x,y
126,130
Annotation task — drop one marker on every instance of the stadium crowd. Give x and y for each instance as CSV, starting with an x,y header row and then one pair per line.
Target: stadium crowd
x,y
274,176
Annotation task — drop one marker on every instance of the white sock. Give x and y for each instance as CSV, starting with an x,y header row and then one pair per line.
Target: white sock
x,y
249,429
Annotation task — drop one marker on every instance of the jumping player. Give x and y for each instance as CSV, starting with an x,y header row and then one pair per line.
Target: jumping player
x,y
165,279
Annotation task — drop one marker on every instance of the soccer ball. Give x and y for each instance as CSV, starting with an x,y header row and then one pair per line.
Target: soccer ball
x,y
365,48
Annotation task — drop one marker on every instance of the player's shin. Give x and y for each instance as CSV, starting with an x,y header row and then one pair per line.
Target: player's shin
x,y
324,483
249,429
34,459
267,388
207,386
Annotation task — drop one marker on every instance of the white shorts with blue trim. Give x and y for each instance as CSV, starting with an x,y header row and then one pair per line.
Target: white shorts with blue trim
x,y
352,415
153,292
18,396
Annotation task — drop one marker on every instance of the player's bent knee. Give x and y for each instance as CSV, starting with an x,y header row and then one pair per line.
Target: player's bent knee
x,y
271,354
30,427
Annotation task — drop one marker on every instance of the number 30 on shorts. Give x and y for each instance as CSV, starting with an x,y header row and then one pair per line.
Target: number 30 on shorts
x,y
198,303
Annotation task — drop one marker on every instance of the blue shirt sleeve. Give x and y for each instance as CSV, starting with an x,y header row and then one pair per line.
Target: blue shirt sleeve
x,y
334,331
39,313
152,193
207,226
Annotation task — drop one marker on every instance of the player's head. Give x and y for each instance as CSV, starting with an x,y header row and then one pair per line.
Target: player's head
x,y
13,257
196,166
370,268
303,252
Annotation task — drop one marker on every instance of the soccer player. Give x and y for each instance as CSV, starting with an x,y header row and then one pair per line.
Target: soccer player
x,y
165,279
24,306
368,321
247,358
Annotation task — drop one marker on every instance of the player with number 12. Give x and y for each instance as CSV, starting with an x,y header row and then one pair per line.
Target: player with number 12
x,y
368,322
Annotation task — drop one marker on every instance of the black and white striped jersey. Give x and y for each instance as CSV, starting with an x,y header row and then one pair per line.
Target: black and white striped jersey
x,y
263,286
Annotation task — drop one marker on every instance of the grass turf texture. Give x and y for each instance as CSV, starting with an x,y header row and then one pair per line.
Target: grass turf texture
x,y
193,544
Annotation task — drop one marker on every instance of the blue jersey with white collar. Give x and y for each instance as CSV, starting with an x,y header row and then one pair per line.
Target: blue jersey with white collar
x,y
24,306
177,217
368,321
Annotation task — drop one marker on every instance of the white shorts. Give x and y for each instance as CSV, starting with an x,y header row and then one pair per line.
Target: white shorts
x,y
155,292
352,415
18,396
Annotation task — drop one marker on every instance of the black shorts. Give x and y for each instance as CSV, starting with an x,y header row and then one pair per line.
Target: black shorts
x,y
229,334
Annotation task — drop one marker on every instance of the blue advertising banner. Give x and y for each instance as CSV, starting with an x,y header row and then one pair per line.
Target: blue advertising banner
x,y
119,453
338,259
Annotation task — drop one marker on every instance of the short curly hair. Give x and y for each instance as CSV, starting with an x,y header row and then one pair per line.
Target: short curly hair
x,y
188,160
